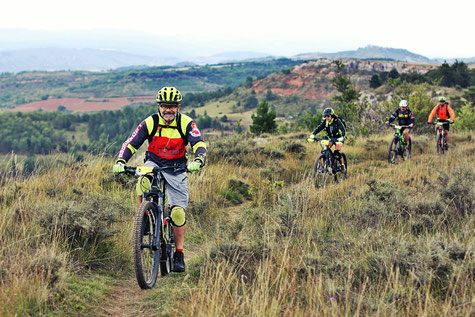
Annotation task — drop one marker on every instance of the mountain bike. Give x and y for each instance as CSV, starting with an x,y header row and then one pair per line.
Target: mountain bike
x,y
327,164
441,141
154,243
398,145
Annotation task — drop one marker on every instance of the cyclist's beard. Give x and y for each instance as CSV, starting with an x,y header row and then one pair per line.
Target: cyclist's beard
x,y
168,116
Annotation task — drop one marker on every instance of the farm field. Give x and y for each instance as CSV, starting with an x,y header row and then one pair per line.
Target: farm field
x,y
82,104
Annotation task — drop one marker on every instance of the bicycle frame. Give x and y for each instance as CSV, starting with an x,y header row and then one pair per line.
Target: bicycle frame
x,y
155,195
441,141
399,136
400,146
325,144
326,164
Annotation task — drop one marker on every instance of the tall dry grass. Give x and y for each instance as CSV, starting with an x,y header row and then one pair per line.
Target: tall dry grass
x,y
391,240
56,223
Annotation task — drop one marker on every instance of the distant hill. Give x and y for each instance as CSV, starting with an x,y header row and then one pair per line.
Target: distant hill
x,y
373,52
29,50
72,59
56,59
32,50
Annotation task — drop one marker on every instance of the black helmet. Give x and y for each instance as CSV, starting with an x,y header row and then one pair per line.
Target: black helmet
x,y
328,112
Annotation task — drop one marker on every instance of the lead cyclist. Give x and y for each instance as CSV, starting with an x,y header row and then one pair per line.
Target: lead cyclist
x,y
168,132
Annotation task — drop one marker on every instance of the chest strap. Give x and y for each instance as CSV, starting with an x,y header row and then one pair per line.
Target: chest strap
x,y
157,125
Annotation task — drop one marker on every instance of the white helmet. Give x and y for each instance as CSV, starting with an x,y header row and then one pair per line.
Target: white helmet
x,y
403,103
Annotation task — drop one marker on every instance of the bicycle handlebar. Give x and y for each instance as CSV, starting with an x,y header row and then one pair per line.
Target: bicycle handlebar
x,y
135,170
440,123
401,126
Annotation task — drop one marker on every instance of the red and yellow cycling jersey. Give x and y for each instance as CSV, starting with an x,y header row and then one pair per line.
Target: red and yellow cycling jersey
x,y
167,142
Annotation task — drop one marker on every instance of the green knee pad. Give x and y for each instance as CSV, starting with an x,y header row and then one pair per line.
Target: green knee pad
x,y
143,185
178,216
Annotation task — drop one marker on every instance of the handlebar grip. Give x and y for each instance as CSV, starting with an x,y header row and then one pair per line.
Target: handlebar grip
x,y
129,169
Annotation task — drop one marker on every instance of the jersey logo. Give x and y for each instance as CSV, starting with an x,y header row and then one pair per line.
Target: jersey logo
x,y
195,132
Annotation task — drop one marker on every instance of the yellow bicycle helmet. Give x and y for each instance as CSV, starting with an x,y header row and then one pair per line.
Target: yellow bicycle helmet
x,y
169,95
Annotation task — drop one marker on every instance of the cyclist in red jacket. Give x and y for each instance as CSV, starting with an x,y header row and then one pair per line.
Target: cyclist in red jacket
x,y
444,114
168,132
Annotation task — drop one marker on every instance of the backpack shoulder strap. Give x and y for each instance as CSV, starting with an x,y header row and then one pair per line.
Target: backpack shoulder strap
x,y
155,126
179,127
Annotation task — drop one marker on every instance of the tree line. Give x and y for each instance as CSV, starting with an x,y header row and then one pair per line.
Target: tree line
x,y
456,75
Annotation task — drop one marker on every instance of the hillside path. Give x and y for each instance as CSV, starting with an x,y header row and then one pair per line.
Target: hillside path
x,y
125,299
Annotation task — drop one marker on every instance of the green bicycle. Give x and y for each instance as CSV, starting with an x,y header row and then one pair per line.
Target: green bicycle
x,y
398,145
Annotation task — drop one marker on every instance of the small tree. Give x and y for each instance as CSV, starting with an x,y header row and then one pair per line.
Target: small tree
x,y
248,83
375,81
251,102
393,74
270,95
309,121
347,102
264,120
466,117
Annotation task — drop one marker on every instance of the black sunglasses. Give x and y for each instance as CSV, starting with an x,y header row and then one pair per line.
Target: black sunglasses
x,y
168,106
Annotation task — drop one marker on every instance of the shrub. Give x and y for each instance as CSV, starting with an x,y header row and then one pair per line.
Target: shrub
x,y
458,190
236,191
49,265
244,259
294,147
84,221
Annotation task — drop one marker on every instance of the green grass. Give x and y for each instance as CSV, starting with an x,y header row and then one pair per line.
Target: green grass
x,y
81,295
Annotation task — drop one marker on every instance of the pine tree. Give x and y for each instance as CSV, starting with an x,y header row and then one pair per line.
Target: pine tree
x,y
264,120
375,82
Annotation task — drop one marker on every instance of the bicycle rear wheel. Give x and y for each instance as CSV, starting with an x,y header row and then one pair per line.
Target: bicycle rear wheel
x,y
320,171
406,154
168,250
146,244
340,175
392,151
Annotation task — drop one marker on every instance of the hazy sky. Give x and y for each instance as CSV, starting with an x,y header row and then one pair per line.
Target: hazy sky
x,y
431,28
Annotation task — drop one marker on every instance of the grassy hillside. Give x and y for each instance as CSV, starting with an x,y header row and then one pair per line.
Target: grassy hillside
x,y
391,240
25,87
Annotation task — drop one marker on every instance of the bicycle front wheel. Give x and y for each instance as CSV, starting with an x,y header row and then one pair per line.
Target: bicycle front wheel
x,y
146,244
392,151
320,171
440,144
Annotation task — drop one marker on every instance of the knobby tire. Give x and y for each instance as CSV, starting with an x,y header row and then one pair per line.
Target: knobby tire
x,y
166,256
341,175
406,154
440,144
320,171
392,151
146,259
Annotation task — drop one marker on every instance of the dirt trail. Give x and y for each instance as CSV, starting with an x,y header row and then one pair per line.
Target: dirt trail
x,y
125,299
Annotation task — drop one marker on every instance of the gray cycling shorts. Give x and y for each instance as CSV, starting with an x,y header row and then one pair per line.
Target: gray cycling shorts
x,y
177,186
